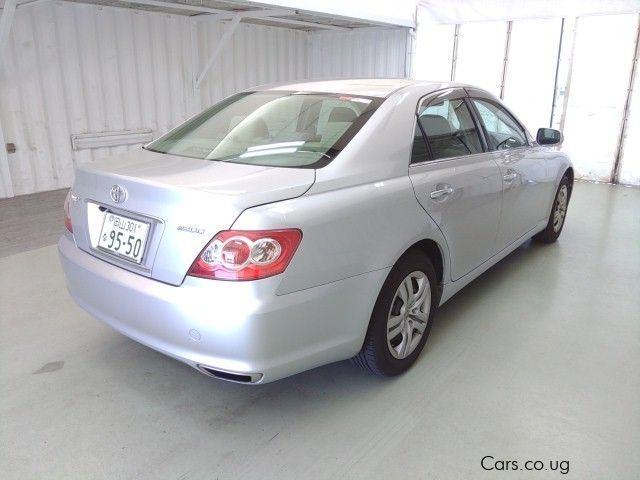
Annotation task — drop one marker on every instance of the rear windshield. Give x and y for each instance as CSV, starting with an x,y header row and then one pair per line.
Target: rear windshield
x,y
272,128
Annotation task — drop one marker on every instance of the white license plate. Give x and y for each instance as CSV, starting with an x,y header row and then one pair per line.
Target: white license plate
x,y
123,236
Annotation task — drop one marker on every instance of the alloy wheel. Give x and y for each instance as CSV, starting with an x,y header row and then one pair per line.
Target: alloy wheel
x,y
560,209
408,315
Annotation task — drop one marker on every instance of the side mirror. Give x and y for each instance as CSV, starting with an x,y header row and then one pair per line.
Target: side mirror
x,y
549,136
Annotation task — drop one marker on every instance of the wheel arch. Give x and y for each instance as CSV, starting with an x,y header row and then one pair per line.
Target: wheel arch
x,y
434,251
570,174
562,166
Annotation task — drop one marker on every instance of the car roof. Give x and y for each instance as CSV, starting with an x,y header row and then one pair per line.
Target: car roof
x,y
372,87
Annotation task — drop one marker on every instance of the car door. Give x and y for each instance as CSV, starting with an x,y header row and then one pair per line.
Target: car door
x,y
457,183
523,168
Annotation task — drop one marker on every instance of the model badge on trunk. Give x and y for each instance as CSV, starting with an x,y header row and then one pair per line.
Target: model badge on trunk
x,y
118,194
191,229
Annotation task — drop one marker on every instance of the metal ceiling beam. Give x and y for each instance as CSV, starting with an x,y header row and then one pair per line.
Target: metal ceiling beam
x,y
178,6
346,10
220,14
31,3
271,17
226,36
255,14
303,23
209,13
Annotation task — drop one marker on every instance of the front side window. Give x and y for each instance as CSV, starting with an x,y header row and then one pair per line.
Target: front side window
x,y
449,128
271,128
501,130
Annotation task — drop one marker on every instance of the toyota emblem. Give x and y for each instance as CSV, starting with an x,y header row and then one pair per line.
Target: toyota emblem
x,y
118,194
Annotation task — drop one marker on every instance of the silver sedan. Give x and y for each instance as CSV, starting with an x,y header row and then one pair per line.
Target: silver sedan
x,y
294,225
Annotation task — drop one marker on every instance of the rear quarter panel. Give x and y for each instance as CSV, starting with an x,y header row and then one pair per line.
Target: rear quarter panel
x,y
346,232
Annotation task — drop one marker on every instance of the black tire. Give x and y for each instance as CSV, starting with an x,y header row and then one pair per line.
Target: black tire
x,y
549,234
375,354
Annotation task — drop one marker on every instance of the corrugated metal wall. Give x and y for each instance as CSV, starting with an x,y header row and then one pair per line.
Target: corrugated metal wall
x,y
255,55
371,52
73,68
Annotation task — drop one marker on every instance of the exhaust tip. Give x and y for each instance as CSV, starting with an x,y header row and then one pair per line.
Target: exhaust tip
x,y
230,376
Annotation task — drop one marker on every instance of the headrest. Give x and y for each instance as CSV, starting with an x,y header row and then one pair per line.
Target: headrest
x,y
342,114
436,125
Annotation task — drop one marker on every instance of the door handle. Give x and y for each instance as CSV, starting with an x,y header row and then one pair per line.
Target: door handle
x,y
444,191
509,176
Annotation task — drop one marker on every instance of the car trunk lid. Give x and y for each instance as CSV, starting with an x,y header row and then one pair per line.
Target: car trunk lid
x,y
185,201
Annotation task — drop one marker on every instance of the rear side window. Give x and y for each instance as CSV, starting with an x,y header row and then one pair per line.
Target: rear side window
x,y
449,128
272,128
501,130
419,151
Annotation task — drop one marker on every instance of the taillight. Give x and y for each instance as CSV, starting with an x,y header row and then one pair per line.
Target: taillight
x,y
67,216
246,254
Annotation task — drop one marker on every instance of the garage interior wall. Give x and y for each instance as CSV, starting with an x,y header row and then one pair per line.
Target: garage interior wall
x,y
582,91
75,68
366,52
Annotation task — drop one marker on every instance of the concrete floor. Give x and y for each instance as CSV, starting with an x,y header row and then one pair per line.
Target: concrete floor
x,y
539,359
31,221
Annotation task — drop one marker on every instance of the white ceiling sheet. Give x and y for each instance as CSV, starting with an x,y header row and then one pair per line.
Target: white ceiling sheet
x,y
465,11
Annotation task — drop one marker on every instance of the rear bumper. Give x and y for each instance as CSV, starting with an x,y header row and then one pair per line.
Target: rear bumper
x,y
240,327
